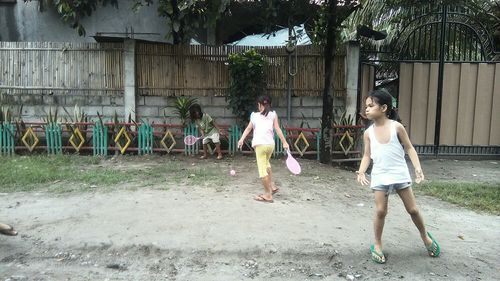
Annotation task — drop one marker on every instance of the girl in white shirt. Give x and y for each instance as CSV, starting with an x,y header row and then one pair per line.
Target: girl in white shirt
x,y
263,124
385,142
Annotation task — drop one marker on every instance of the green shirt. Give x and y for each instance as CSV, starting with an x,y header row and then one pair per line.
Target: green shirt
x,y
206,124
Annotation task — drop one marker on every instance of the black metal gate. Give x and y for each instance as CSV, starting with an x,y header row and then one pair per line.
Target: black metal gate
x,y
435,34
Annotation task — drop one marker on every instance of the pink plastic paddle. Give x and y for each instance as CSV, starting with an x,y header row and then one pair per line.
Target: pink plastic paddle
x,y
190,140
292,164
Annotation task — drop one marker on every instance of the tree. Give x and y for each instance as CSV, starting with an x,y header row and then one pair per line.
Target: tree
x,y
334,13
72,11
327,116
187,16
393,15
261,17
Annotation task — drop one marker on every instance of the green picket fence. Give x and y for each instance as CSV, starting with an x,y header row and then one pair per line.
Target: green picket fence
x,y
53,138
145,139
234,135
194,149
100,140
145,136
7,143
278,144
318,139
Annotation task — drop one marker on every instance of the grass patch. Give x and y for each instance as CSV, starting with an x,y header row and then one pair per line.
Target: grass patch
x,y
27,173
475,196
66,173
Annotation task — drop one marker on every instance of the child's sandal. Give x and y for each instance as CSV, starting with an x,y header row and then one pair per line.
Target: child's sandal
x,y
433,249
376,256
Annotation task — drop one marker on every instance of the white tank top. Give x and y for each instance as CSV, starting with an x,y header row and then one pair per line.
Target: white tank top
x,y
389,164
263,128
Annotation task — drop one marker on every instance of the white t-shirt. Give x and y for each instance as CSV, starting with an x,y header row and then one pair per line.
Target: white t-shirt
x,y
263,128
389,164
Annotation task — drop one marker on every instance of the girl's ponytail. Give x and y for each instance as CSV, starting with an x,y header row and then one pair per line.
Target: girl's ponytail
x,y
265,101
382,97
393,115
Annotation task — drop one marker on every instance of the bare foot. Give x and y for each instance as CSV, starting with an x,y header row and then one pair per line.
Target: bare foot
x,y
6,229
378,248
427,241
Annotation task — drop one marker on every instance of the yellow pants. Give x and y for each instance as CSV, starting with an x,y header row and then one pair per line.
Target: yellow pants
x,y
263,153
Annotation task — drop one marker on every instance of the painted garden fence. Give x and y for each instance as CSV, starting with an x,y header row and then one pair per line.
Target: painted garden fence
x,y
110,138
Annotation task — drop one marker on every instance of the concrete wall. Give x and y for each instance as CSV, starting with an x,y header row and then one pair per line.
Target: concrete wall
x,y
24,22
150,108
154,108
36,106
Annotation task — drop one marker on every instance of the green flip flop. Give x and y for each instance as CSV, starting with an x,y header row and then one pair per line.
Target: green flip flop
x,y
376,256
433,249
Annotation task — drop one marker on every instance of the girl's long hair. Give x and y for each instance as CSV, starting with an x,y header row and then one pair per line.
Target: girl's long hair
x,y
384,98
265,101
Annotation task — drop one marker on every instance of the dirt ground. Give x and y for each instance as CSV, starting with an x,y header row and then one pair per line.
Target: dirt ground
x,y
319,228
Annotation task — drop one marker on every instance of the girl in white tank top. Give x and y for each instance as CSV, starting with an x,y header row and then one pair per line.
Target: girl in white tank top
x,y
385,143
389,164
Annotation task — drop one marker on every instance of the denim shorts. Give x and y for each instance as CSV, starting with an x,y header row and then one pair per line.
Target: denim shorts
x,y
391,188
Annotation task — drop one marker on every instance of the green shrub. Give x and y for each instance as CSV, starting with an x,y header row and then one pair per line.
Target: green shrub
x,y
248,81
182,105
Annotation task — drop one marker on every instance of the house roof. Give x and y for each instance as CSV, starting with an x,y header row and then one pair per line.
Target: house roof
x,y
278,38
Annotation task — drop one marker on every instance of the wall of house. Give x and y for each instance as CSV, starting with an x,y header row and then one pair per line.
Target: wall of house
x,y
24,22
